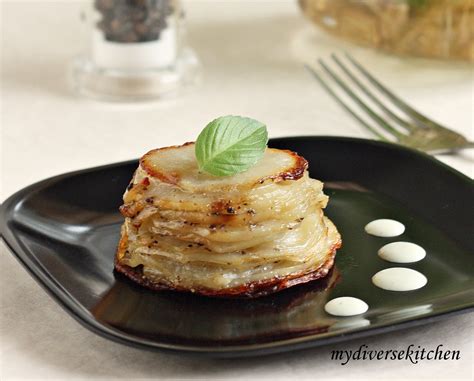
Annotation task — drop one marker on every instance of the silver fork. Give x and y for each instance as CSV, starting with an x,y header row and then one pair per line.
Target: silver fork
x,y
417,131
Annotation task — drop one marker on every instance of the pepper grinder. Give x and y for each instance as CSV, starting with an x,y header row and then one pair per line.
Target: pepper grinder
x,y
136,51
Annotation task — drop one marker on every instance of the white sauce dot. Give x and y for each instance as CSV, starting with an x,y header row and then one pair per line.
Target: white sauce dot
x,y
399,279
385,228
346,306
402,252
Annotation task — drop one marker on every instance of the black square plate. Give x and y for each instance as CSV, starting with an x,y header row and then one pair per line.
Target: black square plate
x,y
64,230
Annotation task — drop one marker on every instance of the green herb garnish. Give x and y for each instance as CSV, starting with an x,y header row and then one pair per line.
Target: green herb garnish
x,y
230,145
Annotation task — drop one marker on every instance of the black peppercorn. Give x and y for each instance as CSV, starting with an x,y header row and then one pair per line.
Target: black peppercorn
x,y
133,20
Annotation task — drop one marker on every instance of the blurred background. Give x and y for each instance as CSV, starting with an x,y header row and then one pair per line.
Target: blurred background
x,y
251,55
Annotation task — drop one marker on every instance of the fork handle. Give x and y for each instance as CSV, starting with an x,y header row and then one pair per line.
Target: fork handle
x,y
468,145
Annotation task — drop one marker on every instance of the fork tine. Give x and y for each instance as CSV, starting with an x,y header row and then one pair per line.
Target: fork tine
x,y
367,92
342,103
382,123
417,117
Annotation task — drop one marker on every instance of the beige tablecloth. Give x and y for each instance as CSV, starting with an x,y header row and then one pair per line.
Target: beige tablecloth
x,y
251,53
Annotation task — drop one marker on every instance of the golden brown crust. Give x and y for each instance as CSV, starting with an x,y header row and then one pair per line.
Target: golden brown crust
x,y
134,195
169,178
250,290
122,246
295,172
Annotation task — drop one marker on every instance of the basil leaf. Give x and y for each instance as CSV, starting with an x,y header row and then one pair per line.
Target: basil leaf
x,y
230,145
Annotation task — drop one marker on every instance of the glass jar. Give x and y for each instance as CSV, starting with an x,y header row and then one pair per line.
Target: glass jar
x,y
136,50
427,28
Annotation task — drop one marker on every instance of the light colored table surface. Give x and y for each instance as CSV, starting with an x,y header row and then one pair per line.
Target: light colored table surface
x,y
251,52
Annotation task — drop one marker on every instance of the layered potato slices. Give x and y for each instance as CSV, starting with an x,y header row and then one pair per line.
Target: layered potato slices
x,y
247,235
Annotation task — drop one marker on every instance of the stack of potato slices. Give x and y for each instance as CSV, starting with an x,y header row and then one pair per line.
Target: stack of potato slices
x,y
249,234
